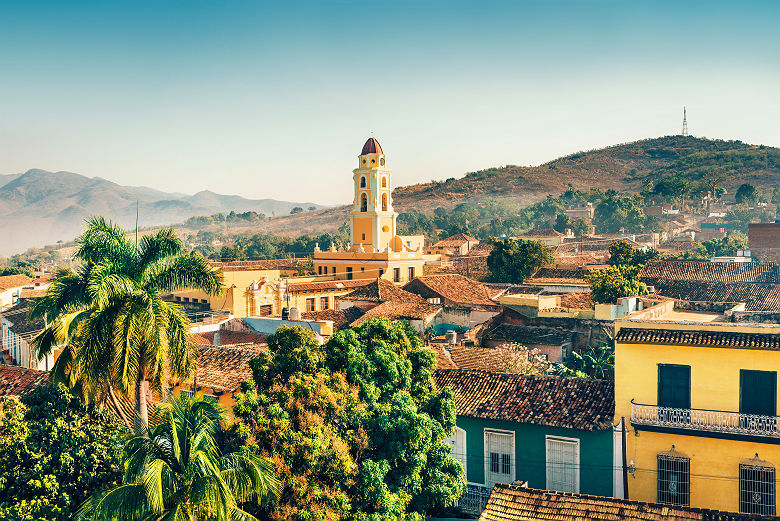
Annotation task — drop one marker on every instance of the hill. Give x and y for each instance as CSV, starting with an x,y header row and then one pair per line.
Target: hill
x,y
40,207
627,167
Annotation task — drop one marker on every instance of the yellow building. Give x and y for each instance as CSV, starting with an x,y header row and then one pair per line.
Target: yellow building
x,y
376,250
698,392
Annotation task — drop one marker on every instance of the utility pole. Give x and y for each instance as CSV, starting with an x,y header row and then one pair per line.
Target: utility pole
x,y
685,123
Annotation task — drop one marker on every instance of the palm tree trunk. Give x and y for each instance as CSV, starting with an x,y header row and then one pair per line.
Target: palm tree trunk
x,y
141,419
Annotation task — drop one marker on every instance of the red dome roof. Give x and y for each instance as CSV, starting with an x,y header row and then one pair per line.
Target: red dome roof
x,y
372,146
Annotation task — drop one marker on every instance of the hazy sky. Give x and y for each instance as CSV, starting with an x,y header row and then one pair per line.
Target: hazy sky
x,y
275,99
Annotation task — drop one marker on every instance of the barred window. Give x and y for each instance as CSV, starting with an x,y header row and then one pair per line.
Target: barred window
x,y
494,462
757,489
506,463
674,479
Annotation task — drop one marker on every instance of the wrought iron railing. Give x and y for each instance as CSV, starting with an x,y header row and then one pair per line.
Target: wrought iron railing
x,y
704,420
474,499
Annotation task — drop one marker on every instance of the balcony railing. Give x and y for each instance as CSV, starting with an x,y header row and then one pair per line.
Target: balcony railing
x,y
704,420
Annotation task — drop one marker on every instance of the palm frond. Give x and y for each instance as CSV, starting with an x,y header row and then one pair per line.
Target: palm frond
x,y
153,248
123,503
102,241
184,272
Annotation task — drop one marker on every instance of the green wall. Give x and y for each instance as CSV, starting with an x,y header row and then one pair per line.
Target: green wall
x,y
530,453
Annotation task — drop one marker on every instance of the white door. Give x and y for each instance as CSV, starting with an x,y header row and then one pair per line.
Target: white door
x,y
458,443
499,457
563,464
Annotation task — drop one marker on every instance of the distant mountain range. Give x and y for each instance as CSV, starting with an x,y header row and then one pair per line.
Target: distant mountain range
x,y
40,207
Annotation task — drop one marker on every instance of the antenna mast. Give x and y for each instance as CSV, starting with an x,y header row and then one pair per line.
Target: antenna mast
x,y
685,123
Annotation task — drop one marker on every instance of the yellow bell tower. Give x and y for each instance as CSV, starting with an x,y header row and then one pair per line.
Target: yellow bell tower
x,y
373,218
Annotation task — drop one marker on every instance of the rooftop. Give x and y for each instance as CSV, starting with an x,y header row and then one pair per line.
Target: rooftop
x,y
573,403
503,359
453,287
456,240
518,503
13,281
341,318
705,271
326,285
392,310
230,338
381,290
371,146
702,338
223,368
528,335
18,381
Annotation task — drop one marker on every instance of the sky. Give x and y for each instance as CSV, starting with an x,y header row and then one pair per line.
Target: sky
x,y
275,99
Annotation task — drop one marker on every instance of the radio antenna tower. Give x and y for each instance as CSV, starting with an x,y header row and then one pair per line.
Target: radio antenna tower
x,y
685,123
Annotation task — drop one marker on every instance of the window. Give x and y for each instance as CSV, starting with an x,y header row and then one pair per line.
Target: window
x,y
319,270
325,270
458,443
396,274
500,456
384,179
756,489
411,272
310,303
563,464
324,303
384,202
381,272
758,392
674,478
363,180
363,203
364,237
674,386
349,272
382,161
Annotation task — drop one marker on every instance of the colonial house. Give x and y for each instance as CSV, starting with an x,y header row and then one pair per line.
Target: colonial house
x,y
550,432
16,335
698,395
420,315
11,288
466,302
458,244
374,293
556,344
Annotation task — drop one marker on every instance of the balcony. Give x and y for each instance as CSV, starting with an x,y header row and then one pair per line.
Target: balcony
x,y
703,422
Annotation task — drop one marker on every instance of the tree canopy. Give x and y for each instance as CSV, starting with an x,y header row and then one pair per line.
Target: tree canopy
x,y
623,253
615,282
356,427
514,260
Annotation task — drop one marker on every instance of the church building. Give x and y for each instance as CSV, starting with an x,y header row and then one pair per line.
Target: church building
x,y
376,250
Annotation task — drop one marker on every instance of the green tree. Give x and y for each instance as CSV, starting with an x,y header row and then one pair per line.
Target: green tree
x,y
54,452
516,260
623,253
356,427
746,194
178,472
615,282
117,331
295,210
727,246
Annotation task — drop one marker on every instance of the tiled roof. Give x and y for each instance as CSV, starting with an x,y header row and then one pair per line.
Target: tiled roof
x,y
17,315
326,285
230,338
572,403
504,359
399,311
528,335
453,287
443,358
341,317
756,296
705,271
13,281
577,301
455,240
380,290
223,368
18,381
547,232
33,293
703,338
483,248
517,503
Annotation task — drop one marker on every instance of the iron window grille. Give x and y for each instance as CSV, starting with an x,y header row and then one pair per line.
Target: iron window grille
x,y
674,480
757,489
494,462
506,464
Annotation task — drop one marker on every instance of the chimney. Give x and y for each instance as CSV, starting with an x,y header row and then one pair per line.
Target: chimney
x,y
217,338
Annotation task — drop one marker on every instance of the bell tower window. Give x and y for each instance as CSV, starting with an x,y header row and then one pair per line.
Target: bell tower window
x,y
363,182
382,161
384,202
363,203
384,182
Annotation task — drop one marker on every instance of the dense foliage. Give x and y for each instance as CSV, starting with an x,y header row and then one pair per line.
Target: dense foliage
x,y
54,452
356,427
623,253
615,282
724,247
515,260
178,473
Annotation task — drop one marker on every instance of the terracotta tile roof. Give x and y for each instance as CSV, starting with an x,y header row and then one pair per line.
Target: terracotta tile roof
x,y
705,271
503,359
756,296
546,232
230,338
455,240
341,318
702,338
528,335
13,281
33,293
577,301
17,315
517,503
326,285
483,248
571,403
18,381
453,287
400,311
380,290
443,358
223,368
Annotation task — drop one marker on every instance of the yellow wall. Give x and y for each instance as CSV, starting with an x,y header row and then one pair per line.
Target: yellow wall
x,y
360,226
715,386
226,399
234,298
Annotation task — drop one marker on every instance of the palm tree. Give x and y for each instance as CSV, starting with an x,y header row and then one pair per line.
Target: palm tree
x,y
116,331
177,473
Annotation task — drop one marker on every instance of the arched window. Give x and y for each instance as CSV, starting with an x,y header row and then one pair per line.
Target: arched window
x,y
382,161
384,182
384,202
363,203
362,182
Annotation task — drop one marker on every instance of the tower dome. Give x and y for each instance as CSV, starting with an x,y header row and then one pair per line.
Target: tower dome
x,y
372,146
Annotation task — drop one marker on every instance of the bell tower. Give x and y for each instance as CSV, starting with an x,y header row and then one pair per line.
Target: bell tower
x,y
373,218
